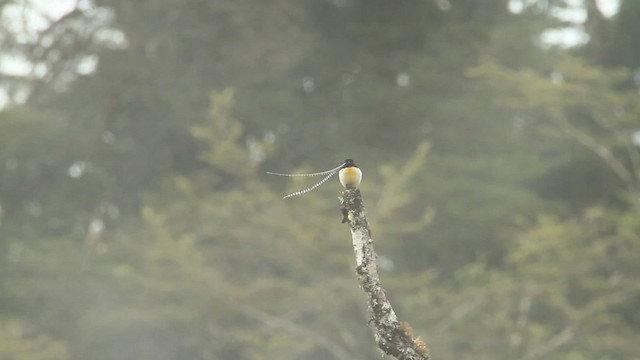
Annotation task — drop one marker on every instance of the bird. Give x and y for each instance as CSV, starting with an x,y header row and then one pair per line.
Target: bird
x,y
350,175
348,172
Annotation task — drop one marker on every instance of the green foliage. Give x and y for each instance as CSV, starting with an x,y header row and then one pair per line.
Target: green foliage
x,y
34,163
259,274
577,102
561,294
221,137
500,178
17,344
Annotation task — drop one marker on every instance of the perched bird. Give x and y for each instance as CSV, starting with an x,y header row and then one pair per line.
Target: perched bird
x,y
350,176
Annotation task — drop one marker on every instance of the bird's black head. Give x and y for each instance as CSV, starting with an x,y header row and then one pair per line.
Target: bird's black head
x,y
349,163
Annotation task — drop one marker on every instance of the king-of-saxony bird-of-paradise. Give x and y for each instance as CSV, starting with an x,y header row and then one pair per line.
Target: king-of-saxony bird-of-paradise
x,y
349,173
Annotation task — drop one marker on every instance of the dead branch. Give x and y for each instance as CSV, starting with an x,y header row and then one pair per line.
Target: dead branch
x,y
394,337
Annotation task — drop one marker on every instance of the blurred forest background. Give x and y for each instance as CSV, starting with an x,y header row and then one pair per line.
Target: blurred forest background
x,y
498,139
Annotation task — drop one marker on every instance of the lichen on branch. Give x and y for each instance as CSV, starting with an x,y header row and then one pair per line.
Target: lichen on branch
x,y
394,337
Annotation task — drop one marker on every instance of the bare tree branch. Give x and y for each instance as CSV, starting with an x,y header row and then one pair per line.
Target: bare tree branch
x,y
568,334
394,337
604,153
292,328
555,342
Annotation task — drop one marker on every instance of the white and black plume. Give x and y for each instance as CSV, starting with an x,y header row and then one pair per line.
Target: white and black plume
x,y
329,174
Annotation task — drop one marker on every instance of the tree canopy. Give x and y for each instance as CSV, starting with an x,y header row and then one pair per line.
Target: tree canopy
x,y
501,177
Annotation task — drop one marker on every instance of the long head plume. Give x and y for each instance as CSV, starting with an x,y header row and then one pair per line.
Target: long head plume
x,y
329,172
310,174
